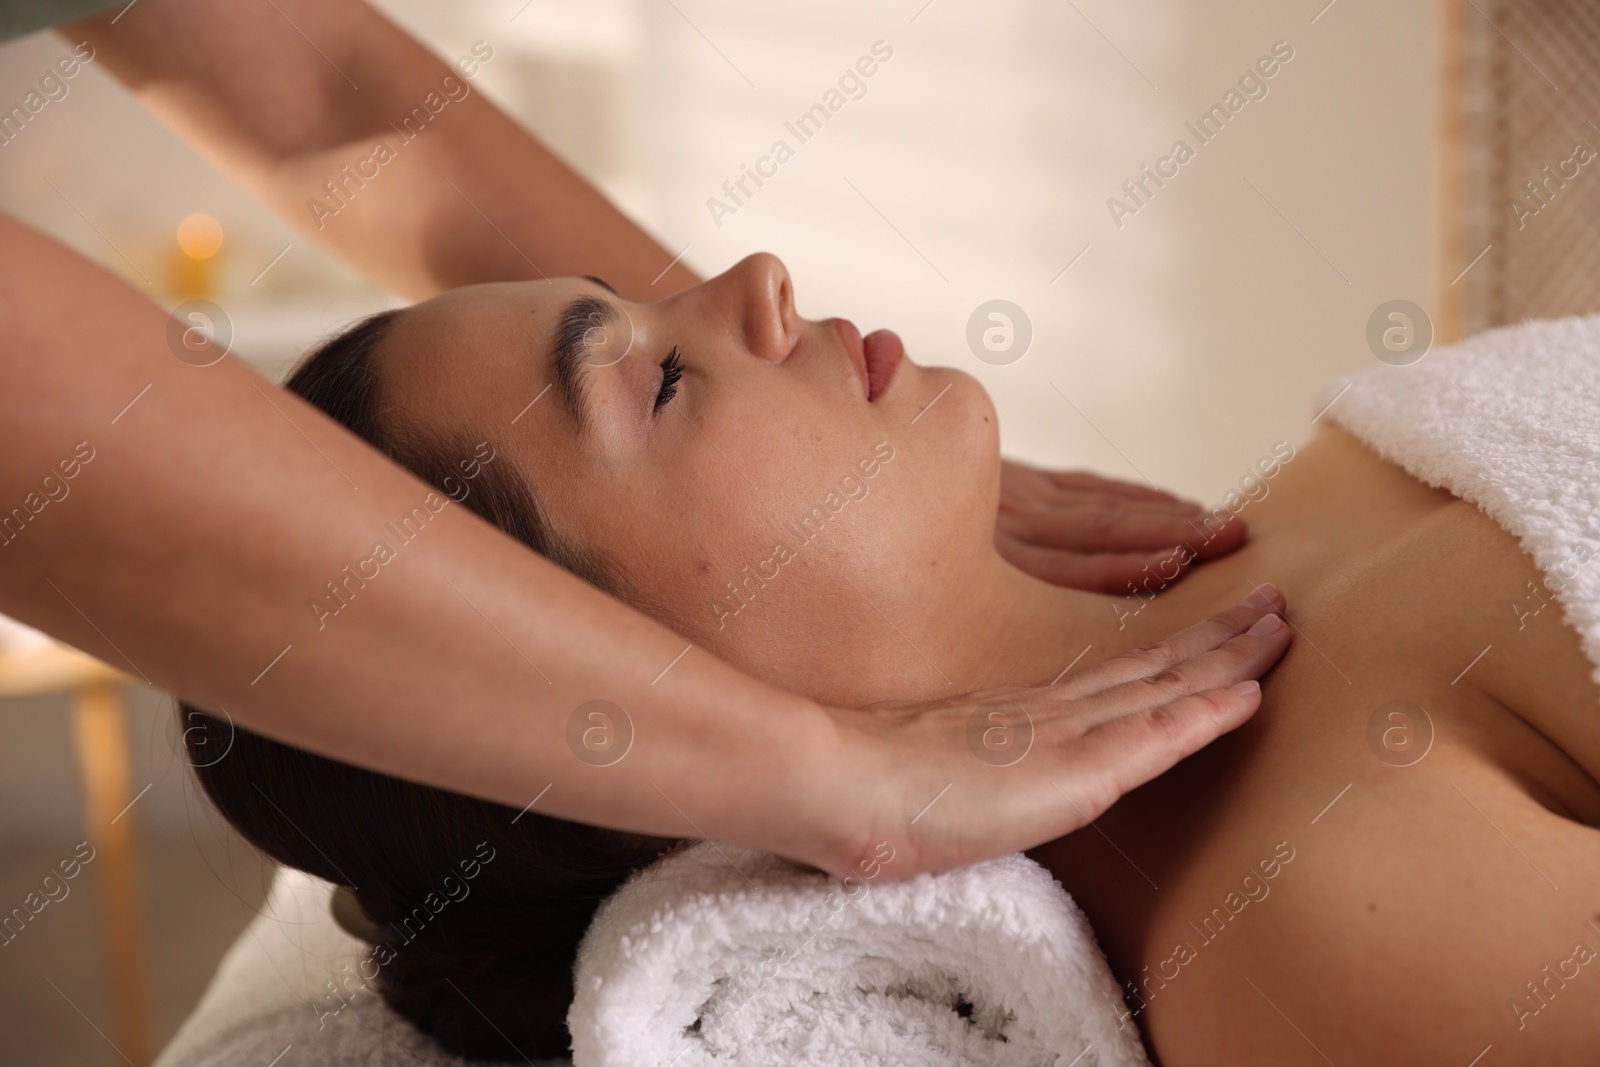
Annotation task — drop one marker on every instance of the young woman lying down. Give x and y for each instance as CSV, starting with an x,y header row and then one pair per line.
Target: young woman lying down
x,y
1394,861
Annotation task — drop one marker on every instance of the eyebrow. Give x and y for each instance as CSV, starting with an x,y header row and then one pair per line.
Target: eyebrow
x,y
569,352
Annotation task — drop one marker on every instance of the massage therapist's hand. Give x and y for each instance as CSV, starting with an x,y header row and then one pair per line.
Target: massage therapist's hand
x,y
1079,530
957,781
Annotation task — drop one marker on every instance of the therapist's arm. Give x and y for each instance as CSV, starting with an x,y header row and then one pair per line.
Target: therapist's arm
x,y
178,521
284,95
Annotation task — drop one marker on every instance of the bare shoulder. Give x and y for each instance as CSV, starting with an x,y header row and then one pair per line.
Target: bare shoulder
x,y
1444,559
1526,658
1435,906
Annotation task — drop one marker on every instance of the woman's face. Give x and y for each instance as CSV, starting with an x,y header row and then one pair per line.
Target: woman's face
x,y
779,491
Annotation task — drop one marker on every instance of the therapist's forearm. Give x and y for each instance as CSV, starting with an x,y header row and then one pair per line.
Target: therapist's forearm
x,y
188,549
470,198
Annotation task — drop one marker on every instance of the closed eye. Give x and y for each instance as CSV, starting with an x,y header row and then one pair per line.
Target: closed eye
x,y
671,372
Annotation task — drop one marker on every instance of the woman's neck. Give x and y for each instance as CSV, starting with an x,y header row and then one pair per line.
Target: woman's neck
x,y
994,627
990,625
1307,525
1022,631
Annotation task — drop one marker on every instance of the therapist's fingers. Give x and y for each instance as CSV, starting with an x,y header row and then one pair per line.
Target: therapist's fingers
x,y
1219,534
1170,652
1128,751
1021,478
1084,482
1101,523
1092,572
1116,572
1243,658
1112,525
1088,533
951,781
1104,526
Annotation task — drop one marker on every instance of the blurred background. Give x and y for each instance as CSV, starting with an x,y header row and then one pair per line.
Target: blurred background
x,y
1175,341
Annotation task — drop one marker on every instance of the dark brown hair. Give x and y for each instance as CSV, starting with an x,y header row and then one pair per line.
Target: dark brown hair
x,y
482,963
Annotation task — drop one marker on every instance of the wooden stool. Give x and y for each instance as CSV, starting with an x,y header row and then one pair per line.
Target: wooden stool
x,y
100,745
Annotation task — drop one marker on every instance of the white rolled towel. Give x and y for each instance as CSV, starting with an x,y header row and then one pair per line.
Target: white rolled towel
x,y
720,955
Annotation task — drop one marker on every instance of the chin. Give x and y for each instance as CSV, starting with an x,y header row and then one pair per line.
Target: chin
x,y
971,421
955,441
982,424
917,386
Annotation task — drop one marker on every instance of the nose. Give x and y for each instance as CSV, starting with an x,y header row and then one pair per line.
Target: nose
x,y
759,294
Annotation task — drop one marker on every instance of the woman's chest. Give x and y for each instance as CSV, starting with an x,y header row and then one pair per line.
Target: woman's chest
x,y
1370,797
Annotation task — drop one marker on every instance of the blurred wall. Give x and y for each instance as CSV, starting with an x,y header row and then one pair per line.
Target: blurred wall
x,y
979,165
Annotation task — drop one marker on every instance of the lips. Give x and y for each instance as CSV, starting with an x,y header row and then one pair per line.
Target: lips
x,y
875,357
883,350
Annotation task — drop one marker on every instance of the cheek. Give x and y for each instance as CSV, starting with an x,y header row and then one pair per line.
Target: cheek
x,y
682,537
743,545
854,497
902,500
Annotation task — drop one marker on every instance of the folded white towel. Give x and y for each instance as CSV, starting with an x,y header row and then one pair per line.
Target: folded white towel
x,y
1510,420
719,955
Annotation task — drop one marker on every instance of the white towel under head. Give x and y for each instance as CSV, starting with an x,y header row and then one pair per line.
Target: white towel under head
x,y
719,955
